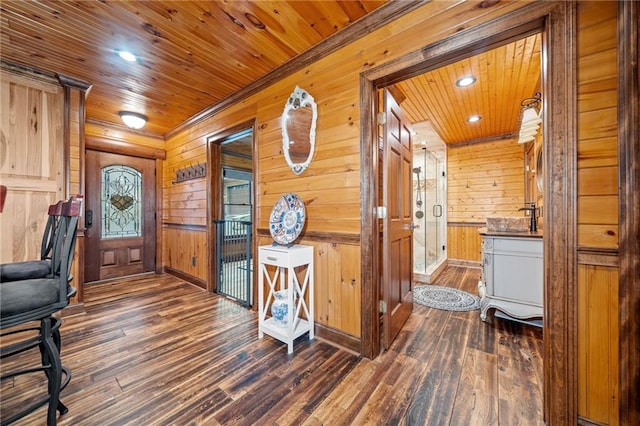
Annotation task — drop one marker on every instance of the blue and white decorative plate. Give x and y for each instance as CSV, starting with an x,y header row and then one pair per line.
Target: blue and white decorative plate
x,y
287,219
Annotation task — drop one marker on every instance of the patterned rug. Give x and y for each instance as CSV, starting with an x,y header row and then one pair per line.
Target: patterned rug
x,y
445,298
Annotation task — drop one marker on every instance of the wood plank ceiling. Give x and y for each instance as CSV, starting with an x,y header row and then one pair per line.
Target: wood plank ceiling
x,y
194,54
504,76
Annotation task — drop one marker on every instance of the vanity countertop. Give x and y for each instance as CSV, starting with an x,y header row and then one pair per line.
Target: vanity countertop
x,y
525,234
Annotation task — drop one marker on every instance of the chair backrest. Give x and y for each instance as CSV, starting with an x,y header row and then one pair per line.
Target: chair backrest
x,y
49,236
65,241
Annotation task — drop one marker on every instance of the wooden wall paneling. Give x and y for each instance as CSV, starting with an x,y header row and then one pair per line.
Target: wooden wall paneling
x,y
598,352
597,125
185,202
598,152
484,180
464,243
181,244
339,299
597,212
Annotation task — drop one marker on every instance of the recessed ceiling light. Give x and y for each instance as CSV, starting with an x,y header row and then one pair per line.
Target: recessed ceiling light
x,y
466,81
473,118
127,56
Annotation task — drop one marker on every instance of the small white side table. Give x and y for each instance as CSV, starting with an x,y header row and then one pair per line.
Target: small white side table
x,y
284,278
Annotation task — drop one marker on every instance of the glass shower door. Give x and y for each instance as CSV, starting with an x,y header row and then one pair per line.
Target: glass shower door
x,y
429,198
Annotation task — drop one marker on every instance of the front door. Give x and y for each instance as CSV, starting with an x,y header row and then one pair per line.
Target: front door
x,y
120,236
397,240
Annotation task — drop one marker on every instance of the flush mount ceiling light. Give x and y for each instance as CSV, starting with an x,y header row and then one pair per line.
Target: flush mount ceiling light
x,y
127,56
133,119
473,118
466,81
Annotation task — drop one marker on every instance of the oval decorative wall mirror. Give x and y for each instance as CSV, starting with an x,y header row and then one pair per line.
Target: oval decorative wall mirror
x,y
299,130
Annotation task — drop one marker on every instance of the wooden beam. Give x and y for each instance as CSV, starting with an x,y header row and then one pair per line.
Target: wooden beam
x,y
124,148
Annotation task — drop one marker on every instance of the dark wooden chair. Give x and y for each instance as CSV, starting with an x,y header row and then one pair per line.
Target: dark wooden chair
x,y
36,300
29,269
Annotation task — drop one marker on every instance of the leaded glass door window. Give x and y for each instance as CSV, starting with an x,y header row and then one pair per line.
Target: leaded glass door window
x,y
121,202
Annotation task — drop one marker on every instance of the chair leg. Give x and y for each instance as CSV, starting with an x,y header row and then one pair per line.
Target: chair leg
x,y
51,357
58,342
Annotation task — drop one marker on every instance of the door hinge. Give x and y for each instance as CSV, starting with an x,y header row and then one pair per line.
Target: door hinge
x,y
382,307
381,117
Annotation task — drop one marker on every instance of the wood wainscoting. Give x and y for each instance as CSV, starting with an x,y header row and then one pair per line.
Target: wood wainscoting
x,y
185,252
464,244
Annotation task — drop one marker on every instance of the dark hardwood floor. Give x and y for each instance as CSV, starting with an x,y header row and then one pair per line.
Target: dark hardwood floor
x,y
155,350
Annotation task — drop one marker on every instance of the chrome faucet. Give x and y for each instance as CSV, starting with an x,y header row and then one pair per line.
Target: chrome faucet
x,y
533,226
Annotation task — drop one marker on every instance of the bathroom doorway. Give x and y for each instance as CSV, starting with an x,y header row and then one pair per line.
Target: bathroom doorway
x,y
551,21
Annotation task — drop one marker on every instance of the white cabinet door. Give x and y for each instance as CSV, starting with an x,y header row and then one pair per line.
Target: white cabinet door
x,y
518,277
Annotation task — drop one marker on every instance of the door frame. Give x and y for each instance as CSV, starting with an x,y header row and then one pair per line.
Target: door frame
x,y
629,210
556,21
214,193
123,147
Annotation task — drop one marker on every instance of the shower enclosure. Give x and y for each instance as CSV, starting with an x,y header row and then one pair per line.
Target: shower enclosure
x,y
429,237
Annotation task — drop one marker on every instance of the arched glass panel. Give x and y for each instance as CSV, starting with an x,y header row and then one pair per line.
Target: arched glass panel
x,y
121,202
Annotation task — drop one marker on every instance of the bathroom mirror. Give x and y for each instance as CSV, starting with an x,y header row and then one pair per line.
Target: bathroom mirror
x,y
539,171
299,130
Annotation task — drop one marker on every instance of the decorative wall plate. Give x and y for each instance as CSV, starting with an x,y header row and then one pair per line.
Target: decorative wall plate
x,y
287,219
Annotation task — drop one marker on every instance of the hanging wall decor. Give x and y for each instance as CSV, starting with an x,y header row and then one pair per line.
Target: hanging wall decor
x,y
287,219
299,130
